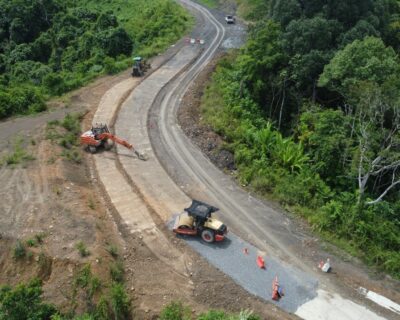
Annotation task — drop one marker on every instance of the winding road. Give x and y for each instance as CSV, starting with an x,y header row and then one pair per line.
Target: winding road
x,y
145,113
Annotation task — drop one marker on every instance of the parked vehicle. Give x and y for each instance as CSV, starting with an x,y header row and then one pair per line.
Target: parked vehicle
x,y
230,19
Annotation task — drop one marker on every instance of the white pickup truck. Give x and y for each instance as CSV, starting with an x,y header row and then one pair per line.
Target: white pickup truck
x,y
229,19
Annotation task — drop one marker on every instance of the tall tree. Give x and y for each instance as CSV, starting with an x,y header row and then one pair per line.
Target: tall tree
x,y
367,74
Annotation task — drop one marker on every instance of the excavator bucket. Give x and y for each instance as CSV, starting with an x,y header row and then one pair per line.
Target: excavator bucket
x,y
140,155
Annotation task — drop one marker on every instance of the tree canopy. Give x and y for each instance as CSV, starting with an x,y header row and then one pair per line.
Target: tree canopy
x,y
310,108
48,47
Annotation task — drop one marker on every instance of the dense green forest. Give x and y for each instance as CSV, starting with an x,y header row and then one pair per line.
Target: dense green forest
x,y
310,109
49,47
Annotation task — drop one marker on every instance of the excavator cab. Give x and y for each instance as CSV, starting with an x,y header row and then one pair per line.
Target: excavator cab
x,y
99,129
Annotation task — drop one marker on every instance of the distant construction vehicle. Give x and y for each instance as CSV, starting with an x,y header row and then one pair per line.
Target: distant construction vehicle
x,y
140,66
197,220
99,136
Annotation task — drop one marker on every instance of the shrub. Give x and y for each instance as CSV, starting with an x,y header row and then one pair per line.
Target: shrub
x,y
91,204
117,272
119,301
19,155
113,250
24,302
31,243
303,188
84,276
114,41
39,237
21,99
83,251
175,311
55,83
213,315
110,66
72,155
71,122
102,311
19,250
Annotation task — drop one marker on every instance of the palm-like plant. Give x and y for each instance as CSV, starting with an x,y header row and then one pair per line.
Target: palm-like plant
x,y
289,154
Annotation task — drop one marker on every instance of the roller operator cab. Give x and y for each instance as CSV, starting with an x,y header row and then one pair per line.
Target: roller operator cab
x,y
197,220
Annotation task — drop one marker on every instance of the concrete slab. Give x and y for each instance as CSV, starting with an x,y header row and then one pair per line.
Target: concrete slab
x,y
159,190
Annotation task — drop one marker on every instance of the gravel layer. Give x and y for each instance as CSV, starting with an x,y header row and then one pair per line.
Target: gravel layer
x,y
229,256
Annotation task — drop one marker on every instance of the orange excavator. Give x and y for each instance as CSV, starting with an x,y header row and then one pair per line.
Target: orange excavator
x,y
101,137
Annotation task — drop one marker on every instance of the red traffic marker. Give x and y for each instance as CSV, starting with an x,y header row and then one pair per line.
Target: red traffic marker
x,y
275,289
260,262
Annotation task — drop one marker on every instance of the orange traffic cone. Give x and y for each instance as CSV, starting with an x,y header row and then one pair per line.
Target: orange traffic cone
x,y
260,262
275,289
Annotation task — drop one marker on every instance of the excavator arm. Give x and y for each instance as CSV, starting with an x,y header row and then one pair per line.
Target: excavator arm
x,y
126,144
107,135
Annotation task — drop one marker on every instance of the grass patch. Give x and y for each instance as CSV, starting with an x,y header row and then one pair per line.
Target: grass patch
x,y
73,155
82,249
57,190
176,310
19,250
18,156
91,203
117,272
112,250
119,301
31,243
43,261
39,237
66,134
252,10
209,3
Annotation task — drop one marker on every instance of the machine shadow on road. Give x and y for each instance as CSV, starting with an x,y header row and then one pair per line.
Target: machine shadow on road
x,y
114,153
215,245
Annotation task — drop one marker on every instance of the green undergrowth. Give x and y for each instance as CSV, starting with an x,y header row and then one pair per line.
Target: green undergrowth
x,y
209,3
47,55
176,310
153,25
277,166
252,10
18,155
100,300
66,134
